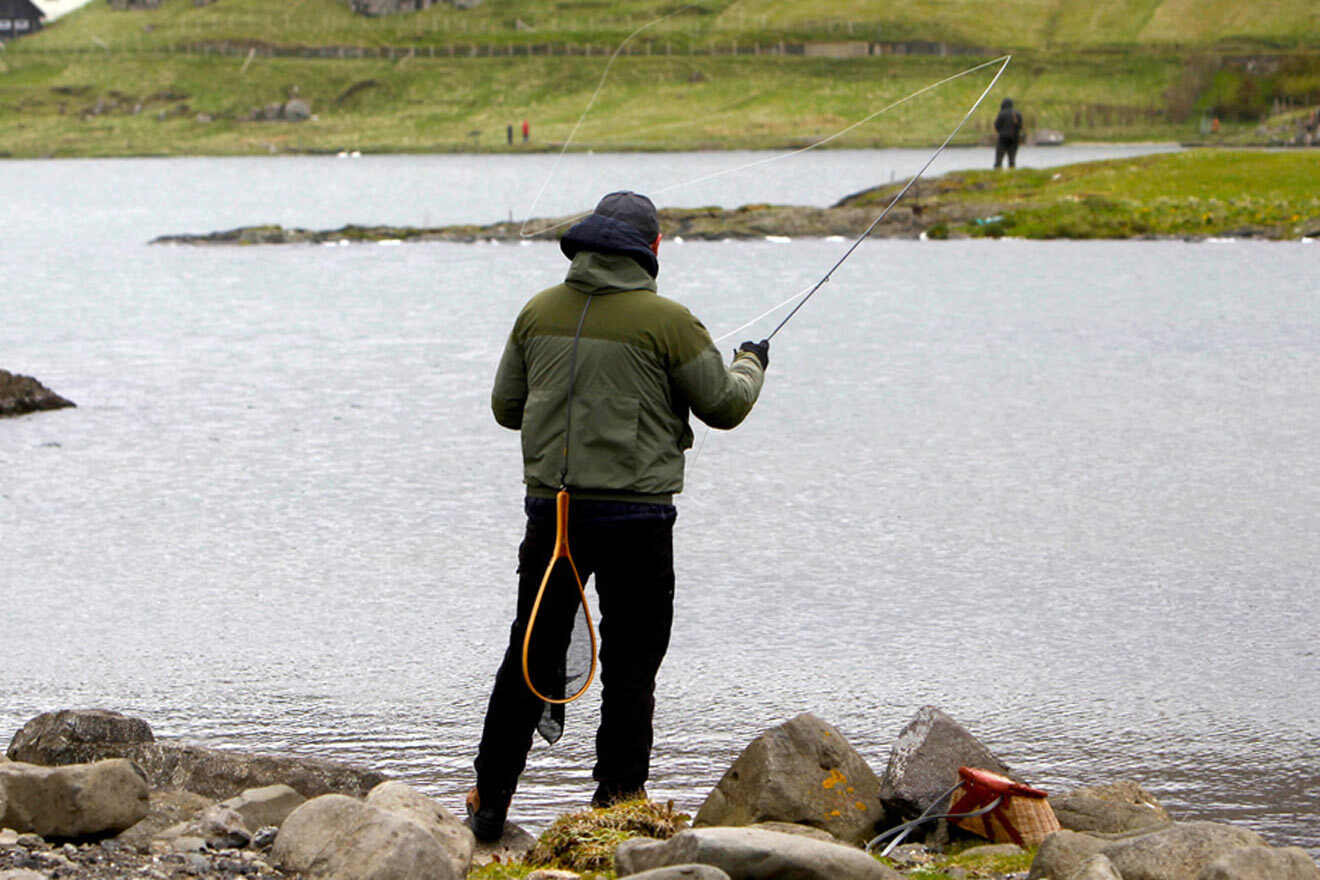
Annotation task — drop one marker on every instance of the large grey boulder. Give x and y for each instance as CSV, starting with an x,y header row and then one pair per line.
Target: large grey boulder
x,y
1116,808
1063,853
72,801
341,838
752,854
78,736
222,774
924,762
68,732
454,836
1179,852
805,772
268,805
1258,863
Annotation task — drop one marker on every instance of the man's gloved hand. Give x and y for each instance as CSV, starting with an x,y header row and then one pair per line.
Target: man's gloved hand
x,y
760,349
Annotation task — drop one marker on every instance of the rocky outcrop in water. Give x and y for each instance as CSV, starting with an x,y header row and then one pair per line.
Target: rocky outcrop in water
x,y
700,224
71,737
23,394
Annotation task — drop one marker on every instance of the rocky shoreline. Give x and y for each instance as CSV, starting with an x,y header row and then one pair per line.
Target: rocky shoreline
x,y
23,394
92,795
697,224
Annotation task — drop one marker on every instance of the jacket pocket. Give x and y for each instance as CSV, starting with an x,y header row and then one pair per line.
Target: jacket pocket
x,y
543,436
603,453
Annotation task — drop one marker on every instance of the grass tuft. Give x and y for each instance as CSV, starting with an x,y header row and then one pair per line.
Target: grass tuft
x,y
586,840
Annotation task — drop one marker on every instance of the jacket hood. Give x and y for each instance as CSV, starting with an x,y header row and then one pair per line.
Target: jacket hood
x,y
596,274
1006,104
606,235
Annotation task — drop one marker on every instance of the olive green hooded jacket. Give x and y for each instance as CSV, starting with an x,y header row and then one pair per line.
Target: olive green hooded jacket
x,y
642,363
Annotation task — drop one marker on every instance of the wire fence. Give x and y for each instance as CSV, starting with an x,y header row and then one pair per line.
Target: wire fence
x,y
841,49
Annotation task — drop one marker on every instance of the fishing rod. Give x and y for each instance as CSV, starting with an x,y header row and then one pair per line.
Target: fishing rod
x,y
885,213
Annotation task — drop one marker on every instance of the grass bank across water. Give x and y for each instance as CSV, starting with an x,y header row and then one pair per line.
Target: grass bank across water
x,y
1193,194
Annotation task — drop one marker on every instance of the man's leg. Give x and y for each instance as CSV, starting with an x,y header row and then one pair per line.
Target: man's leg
x,y
999,153
513,710
635,581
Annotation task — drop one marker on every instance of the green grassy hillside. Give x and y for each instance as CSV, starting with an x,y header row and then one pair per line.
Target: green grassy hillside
x,y
186,78
1001,25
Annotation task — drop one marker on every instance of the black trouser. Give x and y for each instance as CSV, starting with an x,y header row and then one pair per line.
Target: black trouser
x,y
1006,147
629,548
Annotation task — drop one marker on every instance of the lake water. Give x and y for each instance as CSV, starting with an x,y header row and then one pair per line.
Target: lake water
x,y
1067,492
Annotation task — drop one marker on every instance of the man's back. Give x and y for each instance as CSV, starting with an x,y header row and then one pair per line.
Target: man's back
x,y
637,364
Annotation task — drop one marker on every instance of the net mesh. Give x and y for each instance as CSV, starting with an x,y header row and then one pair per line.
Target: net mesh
x,y
561,646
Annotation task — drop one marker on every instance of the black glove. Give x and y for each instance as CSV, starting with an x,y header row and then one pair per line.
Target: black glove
x,y
760,349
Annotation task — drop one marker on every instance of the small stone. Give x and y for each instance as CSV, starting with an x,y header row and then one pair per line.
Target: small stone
x,y
187,844
8,837
910,855
32,841
265,837
196,864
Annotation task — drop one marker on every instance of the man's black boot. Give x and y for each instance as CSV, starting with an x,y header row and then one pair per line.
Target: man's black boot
x,y
486,820
608,794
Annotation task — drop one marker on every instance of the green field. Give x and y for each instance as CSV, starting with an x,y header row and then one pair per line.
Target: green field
x,y
1198,193
185,79
1003,25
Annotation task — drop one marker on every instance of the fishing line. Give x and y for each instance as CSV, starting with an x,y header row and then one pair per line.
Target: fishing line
x,y
803,297
523,233
876,222
806,293
596,94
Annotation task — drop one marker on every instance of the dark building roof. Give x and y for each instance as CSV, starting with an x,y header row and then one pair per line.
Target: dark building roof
x,y
20,9
18,18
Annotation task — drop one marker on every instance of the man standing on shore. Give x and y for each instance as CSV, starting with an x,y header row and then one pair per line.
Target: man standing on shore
x,y
1008,133
599,375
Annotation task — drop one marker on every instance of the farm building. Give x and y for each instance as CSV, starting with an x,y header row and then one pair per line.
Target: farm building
x,y
19,18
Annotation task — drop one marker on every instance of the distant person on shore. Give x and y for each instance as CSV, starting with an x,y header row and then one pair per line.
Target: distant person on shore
x,y
1008,133
599,375
526,130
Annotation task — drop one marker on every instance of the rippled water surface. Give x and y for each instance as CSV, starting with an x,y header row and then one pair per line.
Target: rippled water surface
x,y
1068,492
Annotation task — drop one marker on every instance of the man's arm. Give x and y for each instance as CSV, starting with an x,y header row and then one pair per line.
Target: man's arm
x,y
510,392
719,395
